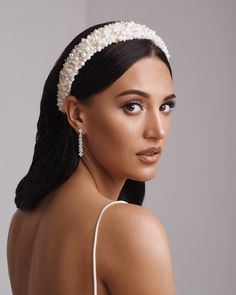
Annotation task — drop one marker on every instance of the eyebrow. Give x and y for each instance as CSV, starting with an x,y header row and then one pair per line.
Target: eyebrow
x,y
142,93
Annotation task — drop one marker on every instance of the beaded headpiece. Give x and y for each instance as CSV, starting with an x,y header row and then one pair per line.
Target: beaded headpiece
x,y
96,41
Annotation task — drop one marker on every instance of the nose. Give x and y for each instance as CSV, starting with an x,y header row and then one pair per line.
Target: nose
x,y
156,125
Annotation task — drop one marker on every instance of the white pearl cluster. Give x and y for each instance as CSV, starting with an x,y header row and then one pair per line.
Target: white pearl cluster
x,y
96,41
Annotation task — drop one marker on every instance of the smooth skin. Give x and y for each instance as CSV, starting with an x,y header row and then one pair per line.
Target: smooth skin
x,y
49,249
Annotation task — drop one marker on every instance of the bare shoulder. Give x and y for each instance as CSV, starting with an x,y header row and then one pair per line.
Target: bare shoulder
x,y
15,223
139,255
133,221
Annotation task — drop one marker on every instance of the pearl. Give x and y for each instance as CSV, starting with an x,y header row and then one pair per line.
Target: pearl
x,y
95,42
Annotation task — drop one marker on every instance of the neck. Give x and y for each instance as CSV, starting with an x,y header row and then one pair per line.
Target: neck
x,y
91,177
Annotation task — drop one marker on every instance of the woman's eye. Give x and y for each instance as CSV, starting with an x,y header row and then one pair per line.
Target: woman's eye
x,y
130,106
169,105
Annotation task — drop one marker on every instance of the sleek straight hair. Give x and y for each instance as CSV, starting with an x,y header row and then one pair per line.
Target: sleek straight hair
x,y
55,155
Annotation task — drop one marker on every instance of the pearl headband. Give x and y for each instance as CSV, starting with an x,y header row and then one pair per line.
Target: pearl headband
x,y
96,41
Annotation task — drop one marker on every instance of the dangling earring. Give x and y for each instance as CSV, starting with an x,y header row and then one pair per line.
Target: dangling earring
x,y
80,142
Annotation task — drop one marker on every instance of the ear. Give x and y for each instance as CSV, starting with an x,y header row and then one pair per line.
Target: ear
x,y
75,113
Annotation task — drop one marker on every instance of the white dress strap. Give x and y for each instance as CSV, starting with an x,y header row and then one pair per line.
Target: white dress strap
x,y
95,243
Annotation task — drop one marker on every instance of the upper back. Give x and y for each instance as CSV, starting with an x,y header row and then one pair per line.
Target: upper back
x,y
48,255
50,250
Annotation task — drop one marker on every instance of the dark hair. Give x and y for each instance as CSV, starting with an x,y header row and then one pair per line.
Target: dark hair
x,y
55,155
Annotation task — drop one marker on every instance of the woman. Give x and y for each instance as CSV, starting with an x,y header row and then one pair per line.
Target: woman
x,y
104,120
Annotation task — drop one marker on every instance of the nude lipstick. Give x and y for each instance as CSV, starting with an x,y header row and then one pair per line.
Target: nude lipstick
x,y
150,155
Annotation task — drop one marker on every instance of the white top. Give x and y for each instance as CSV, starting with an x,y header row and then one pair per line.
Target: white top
x,y
95,243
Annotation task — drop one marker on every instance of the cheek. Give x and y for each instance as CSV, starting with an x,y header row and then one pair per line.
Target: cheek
x,y
109,136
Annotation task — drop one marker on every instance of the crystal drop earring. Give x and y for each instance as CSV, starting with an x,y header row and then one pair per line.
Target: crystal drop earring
x,y
80,142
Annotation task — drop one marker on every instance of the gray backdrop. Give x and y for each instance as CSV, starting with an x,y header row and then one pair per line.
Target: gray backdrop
x,y
193,192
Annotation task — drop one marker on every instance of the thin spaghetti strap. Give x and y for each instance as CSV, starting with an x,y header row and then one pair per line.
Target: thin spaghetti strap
x,y
95,243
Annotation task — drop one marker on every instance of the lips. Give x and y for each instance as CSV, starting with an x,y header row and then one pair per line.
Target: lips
x,y
149,156
151,151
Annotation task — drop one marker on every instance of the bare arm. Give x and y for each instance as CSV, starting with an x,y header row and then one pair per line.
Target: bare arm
x,y
139,255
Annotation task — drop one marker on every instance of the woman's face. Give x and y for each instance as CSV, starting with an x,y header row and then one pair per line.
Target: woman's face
x,y
119,126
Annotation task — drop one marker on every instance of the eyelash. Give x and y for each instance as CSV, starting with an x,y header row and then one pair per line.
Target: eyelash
x,y
171,104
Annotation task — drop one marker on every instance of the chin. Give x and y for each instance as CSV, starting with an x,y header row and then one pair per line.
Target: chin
x,y
143,176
